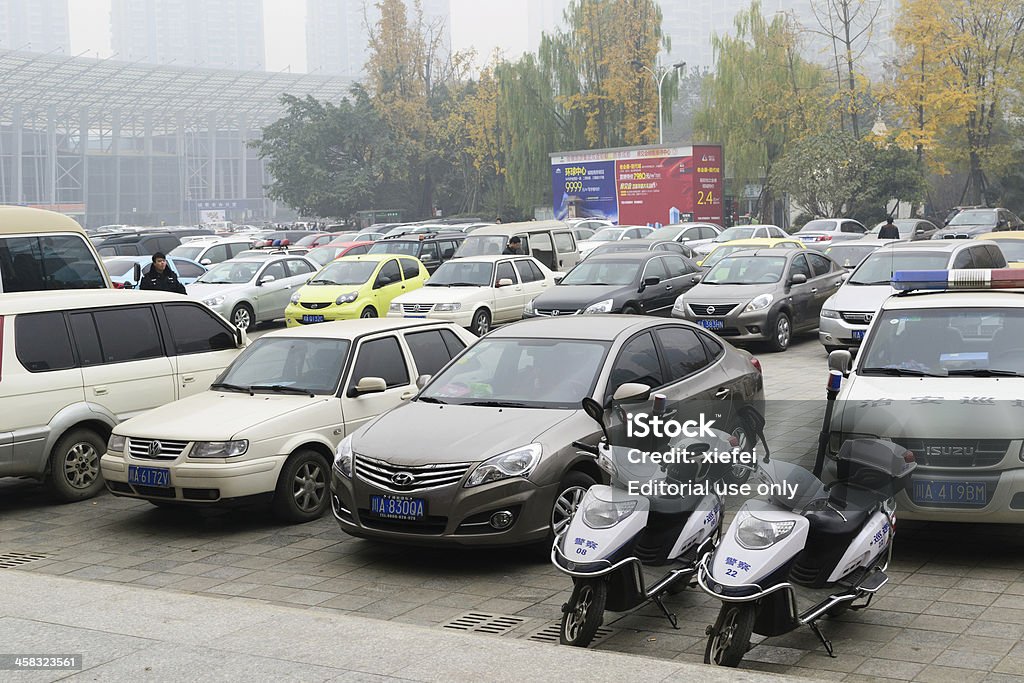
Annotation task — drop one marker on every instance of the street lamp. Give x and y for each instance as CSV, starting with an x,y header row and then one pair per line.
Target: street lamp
x,y
659,79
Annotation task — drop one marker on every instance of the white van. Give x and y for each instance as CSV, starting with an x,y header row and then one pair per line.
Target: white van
x,y
550,242
42,250
73,364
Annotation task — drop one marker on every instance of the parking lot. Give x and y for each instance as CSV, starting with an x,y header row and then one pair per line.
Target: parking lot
x,y
953,610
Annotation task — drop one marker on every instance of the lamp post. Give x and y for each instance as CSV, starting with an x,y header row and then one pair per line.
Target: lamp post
x,y
659,79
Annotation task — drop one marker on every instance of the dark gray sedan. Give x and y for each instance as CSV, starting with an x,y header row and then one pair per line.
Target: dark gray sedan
x,y
762,295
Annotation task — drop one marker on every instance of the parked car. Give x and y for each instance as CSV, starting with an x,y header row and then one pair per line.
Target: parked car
x,y
1011,244
477,292
281,238
316,239
43,250
592,224
604,235
846,316
646,244
137,244
762,295
720,251
970,223
325,254
248,291
909,228
74,363
354,287
821,232
430,249
550,242
421,473
208,252
582,234
690,233
850,254
644,282
127,271
268,427
741,232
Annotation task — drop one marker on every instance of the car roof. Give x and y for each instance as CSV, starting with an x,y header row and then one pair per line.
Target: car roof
x,y
585,327
19,220
784,253
928,245
375,257
758,242
1001,235
350,329
862,243
69,299
525,226
621,244
978,298
491,258
627,256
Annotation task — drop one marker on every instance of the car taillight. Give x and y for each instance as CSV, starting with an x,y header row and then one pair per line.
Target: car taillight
x,y
757,364
118,285
824,238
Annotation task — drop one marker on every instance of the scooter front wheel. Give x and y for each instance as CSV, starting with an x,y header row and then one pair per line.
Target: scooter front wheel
x,y
729,639
583,614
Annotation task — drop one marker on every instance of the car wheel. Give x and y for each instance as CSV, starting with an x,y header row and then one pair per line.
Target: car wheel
x,y
781,333
242,316
481,322
570,492
75,465
302,489
368,312
630,310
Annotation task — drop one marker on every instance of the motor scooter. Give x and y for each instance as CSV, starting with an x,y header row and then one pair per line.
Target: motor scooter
x,y
833,542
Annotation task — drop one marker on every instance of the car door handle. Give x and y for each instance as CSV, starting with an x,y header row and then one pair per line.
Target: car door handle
x,y
188,378
722,393
814,290
99,391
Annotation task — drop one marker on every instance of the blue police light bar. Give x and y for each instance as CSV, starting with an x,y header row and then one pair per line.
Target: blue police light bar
x,y
966,278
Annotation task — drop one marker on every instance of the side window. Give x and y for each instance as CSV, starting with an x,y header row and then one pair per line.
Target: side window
x,y
504,270
87,339
526,243
410,269
448,249
656,268
43,343
820,264
776,232
127,250
683,351
542,249
381,358
389,274
637,362
851,226
429,351
708,233
298,267
982,259
236,249
216,254
564,242
527,271
196,330
964,259
996,254
186,269
712,346
166,244
127,333
677,266
800,267
452,341
631,234
428,252
275,270
357,251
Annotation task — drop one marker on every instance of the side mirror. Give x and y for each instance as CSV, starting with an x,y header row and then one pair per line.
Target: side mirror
x,y
798,279
371,385
557,277
241,338
841,360
695,279
649,282
920,231
265,279
422,380
137,273
632,391
505,282
206,262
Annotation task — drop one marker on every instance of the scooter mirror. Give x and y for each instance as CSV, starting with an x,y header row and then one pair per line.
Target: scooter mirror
x,y
594,410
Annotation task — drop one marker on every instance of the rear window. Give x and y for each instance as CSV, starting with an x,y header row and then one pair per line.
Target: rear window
x,y
31,264
42,342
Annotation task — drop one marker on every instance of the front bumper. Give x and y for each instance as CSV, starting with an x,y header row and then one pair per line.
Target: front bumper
x,y
294,312
737,325
838,332
454,515
462,318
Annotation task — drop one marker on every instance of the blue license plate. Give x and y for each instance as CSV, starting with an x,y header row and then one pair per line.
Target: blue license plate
x,y
936,493
312,318
415,316
858,334
398,507
712,324
149,476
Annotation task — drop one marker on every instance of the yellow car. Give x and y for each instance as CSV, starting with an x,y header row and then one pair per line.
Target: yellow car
x,y
725,248
355,287
1011,243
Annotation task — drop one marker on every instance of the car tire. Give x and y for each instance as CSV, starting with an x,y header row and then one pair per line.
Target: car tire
x,y
570,492
75,465
368,312
481,322
781,334
243,317
630,310
303,487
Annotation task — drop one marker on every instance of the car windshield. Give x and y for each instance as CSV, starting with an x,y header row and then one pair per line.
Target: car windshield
x,y
527,373
366,237
342,237
459,273
877,268
946,342
408,248
818,226
746,270
119,266
1013,250
606,235
666,233
974,217
482,245
345,273
850,255
737,233
230,273
191,253
720,253
324,255
287,365
603,273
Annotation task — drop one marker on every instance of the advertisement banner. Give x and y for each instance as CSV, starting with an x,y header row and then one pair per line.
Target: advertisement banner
x,y
656,190
707,184
585,190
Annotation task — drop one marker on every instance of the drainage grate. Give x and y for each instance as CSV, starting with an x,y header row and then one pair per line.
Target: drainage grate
x,y
484,622
9,560
550,633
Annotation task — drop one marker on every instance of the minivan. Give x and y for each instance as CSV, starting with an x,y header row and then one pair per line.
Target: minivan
x,y
73,364
550,242
42,250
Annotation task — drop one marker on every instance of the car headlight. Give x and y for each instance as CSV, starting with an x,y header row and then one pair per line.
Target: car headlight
x,y
395,308
760,302
757,534
219,449
528,308
115,444
214,301
600,307
601,514
295,298
829,313
680,304
442,308
346,298
518,462
343,457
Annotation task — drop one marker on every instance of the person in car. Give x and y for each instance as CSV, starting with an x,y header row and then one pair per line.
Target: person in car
x,y
514,248
160,277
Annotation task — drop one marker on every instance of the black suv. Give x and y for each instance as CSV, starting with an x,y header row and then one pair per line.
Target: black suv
x,y
432,249
138,244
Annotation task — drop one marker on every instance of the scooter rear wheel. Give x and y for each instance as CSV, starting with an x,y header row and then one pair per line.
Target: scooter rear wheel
x,y
729,639
584,613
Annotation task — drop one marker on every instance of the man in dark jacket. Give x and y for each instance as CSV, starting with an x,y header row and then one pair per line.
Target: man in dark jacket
x,y
889,231
513,248
160,277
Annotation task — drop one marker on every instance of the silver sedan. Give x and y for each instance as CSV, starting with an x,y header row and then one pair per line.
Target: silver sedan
x,y
247,291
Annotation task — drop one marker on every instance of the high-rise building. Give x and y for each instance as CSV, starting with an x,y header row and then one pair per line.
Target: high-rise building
x,y
224,34
337,33
35,25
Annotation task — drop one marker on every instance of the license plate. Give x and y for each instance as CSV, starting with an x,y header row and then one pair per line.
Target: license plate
x,y
415,316
149,476
858,334
312,318
932,492
398,507
712,324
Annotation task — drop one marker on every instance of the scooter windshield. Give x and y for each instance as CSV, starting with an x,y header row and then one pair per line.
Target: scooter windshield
x,y
790,486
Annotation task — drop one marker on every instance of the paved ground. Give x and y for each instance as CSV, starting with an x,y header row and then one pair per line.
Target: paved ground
x,y
954,609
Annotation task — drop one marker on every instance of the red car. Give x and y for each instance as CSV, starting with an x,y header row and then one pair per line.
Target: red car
x,y
335,250
316,239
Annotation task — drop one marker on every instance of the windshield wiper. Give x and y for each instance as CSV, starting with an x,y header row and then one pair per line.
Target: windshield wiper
x,y
321,281
215,282
494,403
431,399
281,388
231,387
899,372
877,282
983,372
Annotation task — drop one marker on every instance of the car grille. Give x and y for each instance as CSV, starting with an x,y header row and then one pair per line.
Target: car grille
x,y
712,309
417,308
956,236
555,311
314,306
420,477
169,450
857,318
956,452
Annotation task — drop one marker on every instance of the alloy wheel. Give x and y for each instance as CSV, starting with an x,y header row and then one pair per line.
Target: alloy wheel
x,y
578,616
565,507
242,319
309,486
81,465
782,332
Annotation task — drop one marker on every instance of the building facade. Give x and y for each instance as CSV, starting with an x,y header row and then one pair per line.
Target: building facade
x,y
36,25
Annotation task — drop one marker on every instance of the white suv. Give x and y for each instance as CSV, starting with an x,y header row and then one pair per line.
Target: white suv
x,y
210,251
75,363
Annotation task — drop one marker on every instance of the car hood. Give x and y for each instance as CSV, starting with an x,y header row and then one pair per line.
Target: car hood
x,y
202,290
860,297
433,295
326,293
962,230
703,293
418,433
214,416
578,296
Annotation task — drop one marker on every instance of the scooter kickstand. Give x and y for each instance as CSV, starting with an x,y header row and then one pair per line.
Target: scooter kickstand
x,y
824,641
668,615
